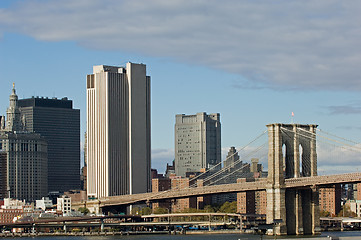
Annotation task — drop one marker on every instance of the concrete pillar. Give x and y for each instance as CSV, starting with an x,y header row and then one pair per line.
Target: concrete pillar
x,y
313,153
315,211
276,208
209,223
102,225
296,152
291,218
298,212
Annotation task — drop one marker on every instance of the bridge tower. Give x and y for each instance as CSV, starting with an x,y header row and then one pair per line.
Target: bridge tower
x,y
298,208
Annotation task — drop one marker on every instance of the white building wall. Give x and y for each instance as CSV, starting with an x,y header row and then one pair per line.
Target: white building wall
x,y
118,130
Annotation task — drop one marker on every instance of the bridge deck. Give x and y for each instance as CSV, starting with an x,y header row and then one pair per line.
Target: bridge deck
x,y
226,188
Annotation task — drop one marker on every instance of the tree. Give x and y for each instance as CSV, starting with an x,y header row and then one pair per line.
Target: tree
x,y
346,212
83,210
160,211
228,207
324,213
210,209
146,211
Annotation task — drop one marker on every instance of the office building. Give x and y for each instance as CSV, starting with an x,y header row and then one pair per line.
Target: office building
x,y
3,173
232,159
26,156
118,130
57,121
197,143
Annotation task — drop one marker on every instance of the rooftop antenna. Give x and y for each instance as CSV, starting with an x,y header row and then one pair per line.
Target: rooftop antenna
x,y
292,118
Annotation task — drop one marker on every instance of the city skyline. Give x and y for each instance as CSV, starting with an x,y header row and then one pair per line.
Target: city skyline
x,y
253,70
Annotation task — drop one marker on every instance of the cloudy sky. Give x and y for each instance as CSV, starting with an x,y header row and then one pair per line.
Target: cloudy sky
x,y
254,62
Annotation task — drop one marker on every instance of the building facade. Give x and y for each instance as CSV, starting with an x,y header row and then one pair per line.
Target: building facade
x,y
118,130
3,173
56,121
330,199
26,156
197,143
64,205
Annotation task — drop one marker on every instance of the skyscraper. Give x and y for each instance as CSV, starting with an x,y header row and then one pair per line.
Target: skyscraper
x,y
197,142
26,156
57,121
3,173
118,130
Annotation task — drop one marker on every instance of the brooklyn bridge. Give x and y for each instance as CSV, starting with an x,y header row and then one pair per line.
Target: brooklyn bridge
x,y
292,183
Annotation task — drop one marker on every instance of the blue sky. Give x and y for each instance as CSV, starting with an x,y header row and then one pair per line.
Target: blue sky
x,y
254,62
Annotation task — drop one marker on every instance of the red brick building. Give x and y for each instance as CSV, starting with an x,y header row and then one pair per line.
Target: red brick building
x,y
330,199
8,215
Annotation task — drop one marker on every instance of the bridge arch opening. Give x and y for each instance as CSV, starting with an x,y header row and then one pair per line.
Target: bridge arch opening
x,y
284,157
300,157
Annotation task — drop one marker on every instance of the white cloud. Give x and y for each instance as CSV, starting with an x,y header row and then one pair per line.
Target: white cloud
x,y
278,44
160,158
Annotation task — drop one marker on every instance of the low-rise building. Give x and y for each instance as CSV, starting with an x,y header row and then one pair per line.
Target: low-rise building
x,y
44,203
64,205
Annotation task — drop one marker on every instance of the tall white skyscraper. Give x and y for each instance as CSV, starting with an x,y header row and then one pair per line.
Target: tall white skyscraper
x,y
197,142
118,130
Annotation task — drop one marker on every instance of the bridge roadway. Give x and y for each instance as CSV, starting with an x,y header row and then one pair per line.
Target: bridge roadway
x,y
261,184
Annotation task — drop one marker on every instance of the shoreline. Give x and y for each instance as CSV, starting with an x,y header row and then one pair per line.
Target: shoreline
x,y
5,235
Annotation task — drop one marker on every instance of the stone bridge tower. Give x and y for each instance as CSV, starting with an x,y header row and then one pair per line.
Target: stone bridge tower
x,y
292,154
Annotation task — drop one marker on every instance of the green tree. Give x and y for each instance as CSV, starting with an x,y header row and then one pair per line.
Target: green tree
x,y
146,211
83,210
160,211
324,213
228,207
210,209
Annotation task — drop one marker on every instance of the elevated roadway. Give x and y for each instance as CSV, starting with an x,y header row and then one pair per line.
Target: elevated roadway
x,y
224,188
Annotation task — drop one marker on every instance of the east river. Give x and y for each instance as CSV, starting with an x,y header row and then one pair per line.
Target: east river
x,y
352,235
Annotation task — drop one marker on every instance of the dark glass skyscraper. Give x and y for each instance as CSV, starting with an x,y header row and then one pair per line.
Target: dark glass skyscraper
x,y
57,121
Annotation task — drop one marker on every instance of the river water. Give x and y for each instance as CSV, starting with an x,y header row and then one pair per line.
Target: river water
x,y
342,235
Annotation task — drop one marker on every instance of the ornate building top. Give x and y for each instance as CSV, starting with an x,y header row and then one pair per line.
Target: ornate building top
x,y
14,121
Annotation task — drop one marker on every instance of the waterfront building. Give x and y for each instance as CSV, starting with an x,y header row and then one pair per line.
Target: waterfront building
x,y
197,143
64,205
159,185
56,121
26,156
330,199
260,202
44,203
12,209
180,204
118,130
